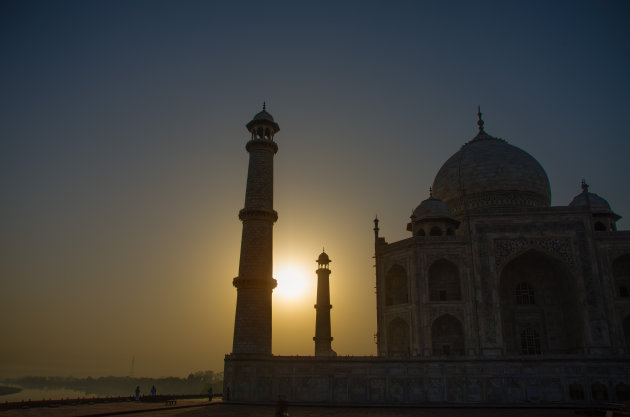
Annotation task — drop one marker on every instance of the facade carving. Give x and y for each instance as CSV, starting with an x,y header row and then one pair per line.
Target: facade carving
x,y
561,247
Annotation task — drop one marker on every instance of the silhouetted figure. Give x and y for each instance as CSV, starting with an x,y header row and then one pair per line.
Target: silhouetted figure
x,y
210,393
138,393
283,407
227,394
153,390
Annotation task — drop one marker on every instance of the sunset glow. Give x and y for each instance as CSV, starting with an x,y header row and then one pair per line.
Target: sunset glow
x,y
124,160
293,282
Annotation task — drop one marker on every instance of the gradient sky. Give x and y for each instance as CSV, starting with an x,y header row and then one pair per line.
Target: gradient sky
x,y
123,161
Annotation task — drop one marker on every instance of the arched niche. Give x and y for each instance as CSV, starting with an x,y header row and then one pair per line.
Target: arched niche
x,y
398,338
396,286
599,392
621,273
626,330
435,231
447,336
622,392
539,306
576,391
444,282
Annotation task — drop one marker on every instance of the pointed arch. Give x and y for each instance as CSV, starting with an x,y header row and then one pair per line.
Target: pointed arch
x,y
599,392
626,330
396,286
621,274
539,306
398,338
444,283
447,336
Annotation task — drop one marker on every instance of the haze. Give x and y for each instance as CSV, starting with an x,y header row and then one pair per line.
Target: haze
x,y
123,159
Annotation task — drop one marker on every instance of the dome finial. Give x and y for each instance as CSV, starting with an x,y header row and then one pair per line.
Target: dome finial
x,y
584,186
430,192
480,121
264,106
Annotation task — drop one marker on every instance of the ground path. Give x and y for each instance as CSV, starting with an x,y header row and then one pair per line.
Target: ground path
x,y
201,408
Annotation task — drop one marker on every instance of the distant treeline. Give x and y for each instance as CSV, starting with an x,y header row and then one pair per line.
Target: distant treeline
x,y
116,386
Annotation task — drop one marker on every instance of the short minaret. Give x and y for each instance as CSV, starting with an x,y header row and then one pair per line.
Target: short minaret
x,y
322,337
254,284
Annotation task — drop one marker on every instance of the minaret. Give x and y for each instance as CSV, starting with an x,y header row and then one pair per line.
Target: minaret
x,y
254,284
322,319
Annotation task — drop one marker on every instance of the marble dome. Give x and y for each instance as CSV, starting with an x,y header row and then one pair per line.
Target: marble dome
x,y
432,208
488,172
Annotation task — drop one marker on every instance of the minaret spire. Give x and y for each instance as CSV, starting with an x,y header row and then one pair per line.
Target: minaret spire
x,y
254,283
323,336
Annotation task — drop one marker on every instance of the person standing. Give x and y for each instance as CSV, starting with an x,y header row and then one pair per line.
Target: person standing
x,y
138,393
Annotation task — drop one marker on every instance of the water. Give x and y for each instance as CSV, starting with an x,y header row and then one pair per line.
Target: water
x,y
39,394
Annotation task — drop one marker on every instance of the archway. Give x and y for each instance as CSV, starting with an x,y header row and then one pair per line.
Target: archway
x,y
447,336
621,273
444,281
398,338
539,306
626,330
396,286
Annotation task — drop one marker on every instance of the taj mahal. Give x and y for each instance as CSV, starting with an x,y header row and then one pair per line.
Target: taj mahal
x,y
495,297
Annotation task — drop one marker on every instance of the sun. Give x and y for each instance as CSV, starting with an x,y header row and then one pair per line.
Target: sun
x,y
293,282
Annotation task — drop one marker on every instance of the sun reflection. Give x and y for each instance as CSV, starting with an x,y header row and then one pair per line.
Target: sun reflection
x,y
293,282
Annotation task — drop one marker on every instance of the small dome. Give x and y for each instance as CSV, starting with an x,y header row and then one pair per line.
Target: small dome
x,y
323,259
595,203
432,208
263,115
586,199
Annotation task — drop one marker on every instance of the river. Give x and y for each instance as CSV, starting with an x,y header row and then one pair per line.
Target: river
x,y
39,394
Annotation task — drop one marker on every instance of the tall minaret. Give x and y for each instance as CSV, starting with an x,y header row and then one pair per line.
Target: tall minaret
x,y
254,284
322,319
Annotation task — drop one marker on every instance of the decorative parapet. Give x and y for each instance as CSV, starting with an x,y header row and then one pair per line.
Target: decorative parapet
x,y
375,380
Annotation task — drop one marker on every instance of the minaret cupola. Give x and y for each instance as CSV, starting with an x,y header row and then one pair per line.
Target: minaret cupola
x,y
262,125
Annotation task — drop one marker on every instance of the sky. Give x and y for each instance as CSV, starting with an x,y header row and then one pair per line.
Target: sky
x,y
123,161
